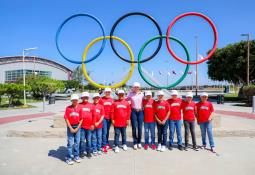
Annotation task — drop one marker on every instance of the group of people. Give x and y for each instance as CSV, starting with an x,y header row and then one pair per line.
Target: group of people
x,y
88,124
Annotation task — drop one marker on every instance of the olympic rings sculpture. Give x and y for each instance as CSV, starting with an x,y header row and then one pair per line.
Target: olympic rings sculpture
x,y
132,61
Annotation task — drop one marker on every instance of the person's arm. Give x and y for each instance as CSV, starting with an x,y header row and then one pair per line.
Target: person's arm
x,y
102,116
69,126
157,119
128,113
112,113
167,114
212,112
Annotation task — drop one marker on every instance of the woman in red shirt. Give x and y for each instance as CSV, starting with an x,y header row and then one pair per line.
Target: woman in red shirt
x,y
189,111
107,102
73,118
162,112
204,119
98,121
149,120
87,126
120,115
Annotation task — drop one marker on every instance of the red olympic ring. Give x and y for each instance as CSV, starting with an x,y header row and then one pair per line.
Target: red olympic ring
x,y
214,32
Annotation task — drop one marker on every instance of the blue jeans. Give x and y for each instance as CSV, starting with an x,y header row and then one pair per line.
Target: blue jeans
x,y
117,132
106,129
85,135
149,128
162,131
97,139
175,124
73,141
137,124
207,128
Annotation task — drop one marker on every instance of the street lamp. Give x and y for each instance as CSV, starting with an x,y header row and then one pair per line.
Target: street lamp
x,y
248,58
24,73
196,38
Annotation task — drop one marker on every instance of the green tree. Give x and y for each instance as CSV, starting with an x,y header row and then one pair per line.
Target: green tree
x,y
14,91
42,86
69,84
2,92
229,63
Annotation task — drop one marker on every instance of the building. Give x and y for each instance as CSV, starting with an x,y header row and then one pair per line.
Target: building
x,y
11,68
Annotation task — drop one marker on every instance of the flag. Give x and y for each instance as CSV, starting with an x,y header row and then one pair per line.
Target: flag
x,y
190,72
174,72
168,73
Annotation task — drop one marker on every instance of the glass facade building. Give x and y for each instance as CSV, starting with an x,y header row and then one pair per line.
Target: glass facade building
x,y
14,75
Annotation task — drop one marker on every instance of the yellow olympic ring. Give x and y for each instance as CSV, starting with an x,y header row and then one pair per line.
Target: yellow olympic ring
x,y
84,70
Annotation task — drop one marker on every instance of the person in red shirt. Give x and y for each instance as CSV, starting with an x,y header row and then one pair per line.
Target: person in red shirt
x,y
98,121
87,125
73,118
204,118
189,111
107,102
175,120
149,120
120,115
162,112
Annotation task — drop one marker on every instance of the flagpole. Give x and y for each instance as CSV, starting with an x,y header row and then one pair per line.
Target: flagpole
x,y
196,37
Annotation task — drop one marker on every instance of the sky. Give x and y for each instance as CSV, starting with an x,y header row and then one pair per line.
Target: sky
x,y
34,23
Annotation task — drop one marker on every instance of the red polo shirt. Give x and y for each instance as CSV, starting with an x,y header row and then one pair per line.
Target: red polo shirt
x,y
73,115
188,110
148,111
161,108
87,110
98,113
204,111
120,113
175,109
107,103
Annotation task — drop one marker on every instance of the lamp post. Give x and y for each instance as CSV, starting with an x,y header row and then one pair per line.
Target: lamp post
x,y
24,73
196,37
248,58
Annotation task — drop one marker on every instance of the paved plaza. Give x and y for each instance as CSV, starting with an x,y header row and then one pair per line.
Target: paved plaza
x,y
29,144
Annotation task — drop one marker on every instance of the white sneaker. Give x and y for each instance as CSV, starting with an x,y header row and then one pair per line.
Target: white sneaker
x,y
135,146
125,147
159,147
163,148
94,153
116,149
77,160
69,162
99,152
139,145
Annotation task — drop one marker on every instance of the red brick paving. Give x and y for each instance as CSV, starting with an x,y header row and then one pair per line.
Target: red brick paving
x,y
23,117
236,114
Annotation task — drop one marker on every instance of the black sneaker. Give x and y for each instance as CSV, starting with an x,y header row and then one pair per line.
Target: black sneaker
x,y
89,155
170,148
82,155
195,148
180,147
186,148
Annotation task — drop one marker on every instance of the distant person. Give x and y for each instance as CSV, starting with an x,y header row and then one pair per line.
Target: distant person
x,y
73,118
189,110
149,121
107,102
162,112
204,118
175,119
120,115
87,125
98,121
136,98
